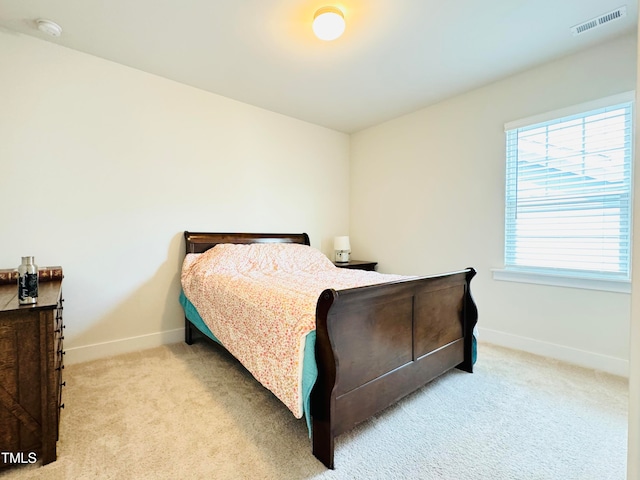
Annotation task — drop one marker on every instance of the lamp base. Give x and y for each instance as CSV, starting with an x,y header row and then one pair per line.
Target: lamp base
x,y
342,256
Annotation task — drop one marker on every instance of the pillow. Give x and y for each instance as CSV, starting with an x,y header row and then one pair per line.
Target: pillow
x,y
264,257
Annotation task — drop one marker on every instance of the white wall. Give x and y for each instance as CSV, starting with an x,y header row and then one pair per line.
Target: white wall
x,y
102,168
427,195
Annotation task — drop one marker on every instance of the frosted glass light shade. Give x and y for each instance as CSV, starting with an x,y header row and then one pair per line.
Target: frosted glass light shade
x,y
328,23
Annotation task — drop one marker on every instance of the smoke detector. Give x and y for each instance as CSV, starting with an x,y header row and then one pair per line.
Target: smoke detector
x,y
49,27
599,21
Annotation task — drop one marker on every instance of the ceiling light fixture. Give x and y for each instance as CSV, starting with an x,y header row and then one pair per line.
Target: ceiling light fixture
x,y
328,23
49,27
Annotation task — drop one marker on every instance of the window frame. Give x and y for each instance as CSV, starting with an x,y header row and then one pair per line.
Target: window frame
x,y
561,277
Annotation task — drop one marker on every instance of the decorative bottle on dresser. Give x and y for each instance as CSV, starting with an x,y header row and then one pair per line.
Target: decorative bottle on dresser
x,y
27,281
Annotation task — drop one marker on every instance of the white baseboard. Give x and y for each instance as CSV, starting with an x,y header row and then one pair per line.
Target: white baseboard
x,y
95,351
616,366
596,361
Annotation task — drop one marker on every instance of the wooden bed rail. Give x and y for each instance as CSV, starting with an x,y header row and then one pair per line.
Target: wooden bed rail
x,y
377,344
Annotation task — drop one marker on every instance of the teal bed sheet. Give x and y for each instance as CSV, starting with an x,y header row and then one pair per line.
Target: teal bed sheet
x,y
474,349
309,366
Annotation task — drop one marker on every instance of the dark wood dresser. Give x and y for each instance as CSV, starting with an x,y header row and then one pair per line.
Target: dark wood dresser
x,y
30,374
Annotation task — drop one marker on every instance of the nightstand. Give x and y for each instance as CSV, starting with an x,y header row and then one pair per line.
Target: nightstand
x,y
357,265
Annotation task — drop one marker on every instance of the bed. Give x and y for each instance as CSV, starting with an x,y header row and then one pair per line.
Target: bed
x,y
372,345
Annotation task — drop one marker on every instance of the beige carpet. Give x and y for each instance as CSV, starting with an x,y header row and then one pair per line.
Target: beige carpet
x,y
191,412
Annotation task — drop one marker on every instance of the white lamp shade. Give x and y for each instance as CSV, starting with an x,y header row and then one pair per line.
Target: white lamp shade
x,y
328,23
341,243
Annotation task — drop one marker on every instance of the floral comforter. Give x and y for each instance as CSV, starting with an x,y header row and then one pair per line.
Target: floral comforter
x,y
260,301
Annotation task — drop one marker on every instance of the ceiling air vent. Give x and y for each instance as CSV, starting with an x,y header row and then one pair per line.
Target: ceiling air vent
x,y
598,21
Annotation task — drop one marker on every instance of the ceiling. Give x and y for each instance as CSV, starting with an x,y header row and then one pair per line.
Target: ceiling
x,y
395,57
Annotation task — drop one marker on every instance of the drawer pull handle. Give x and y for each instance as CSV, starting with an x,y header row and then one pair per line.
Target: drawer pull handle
x,y
60,368
62,352
63,384
62,405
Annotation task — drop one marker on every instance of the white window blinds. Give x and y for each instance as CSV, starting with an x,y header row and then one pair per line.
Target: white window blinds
x,y
568,194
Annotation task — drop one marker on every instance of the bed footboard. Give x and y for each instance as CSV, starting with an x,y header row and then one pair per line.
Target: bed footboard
x,y
377,344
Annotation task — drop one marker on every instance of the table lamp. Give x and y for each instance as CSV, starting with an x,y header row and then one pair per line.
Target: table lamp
x,y
343,248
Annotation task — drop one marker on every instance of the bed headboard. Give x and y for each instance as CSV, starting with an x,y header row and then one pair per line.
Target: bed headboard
x,y
198,242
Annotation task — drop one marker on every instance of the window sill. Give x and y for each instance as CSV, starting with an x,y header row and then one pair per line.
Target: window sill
x,y
618,286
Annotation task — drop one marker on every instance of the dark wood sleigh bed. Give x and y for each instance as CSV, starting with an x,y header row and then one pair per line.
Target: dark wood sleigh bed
x,y
374,344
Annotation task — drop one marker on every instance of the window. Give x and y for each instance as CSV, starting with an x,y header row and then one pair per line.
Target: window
x,y
568,192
